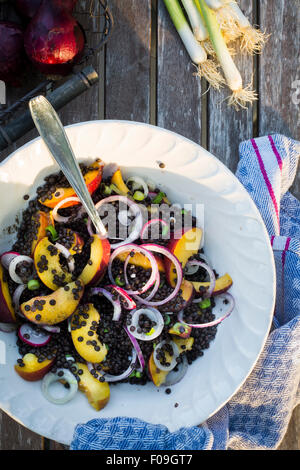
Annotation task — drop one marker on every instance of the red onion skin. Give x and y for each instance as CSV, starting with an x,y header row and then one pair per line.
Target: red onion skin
x,y
12,57
54,41
29,8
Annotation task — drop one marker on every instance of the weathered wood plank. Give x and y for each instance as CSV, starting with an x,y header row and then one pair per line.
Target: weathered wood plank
x,y
178,90
13,436
128,62
226,126
279,69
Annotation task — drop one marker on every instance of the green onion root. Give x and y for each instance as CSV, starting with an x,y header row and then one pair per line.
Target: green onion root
x,y
240,96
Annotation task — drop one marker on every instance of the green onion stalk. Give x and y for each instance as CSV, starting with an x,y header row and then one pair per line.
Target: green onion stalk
x,y
240,96
206,68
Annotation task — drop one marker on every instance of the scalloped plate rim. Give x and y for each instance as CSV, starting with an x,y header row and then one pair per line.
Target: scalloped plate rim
x,y
240,187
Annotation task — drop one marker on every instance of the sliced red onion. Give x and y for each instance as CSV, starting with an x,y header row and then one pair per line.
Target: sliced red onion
x,y
175,376
212,276
136,211
148,224
31,336
136,347
118,378
13,265
8,327
226,296
173,362
163,251
153,315
66,253
7,257
55,214
16,299
138,183
129,302
129,248
61,374
109,296
157,280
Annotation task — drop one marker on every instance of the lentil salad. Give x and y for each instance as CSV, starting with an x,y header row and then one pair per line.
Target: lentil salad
x,y
91,312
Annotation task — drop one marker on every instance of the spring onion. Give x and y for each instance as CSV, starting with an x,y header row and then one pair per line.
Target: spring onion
x,y
195,50
158,198
252,38
206,68
240,96
196,20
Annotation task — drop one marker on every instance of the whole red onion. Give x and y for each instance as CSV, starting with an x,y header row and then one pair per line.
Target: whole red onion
x,y
54,41
11,52
29,8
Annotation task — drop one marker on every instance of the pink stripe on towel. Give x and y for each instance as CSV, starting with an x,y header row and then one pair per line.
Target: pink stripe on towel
x,y
277,154
267,181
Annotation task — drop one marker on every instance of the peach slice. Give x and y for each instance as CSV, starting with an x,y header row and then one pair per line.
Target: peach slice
x,y
183,245
7,313
84,336
41,219
97,264
222,285
48,267
140,260
77,243
117,179
92,180
188,292
33,370
97,393
181,329
158,376
54,308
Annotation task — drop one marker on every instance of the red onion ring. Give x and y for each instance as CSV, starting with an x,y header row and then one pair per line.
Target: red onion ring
x,y
138,183
7,257
109,296
50,328
13,265
174,377
60,218
132,247
136,347
36,339
212,276
117,378
226,296
130,303
148,224
173,361
164,251
154,315
136,212
66,253
16,298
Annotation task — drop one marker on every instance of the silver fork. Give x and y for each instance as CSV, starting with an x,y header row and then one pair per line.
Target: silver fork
x,y
53,134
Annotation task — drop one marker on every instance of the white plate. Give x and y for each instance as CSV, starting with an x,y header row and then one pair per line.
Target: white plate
x,y
236,242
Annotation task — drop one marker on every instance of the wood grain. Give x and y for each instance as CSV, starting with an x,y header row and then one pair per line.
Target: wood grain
x,y
226,126
279,68
178,90
127,90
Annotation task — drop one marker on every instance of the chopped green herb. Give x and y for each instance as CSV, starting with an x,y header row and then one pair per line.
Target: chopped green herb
x,y
53,232
119,282
167,319
138,375
158,198
205,303
139,196
33,284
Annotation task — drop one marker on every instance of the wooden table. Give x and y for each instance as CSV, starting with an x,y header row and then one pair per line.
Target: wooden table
x,y
145,75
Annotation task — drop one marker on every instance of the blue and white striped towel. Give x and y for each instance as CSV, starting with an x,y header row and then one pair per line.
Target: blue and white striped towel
x,y
258,415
